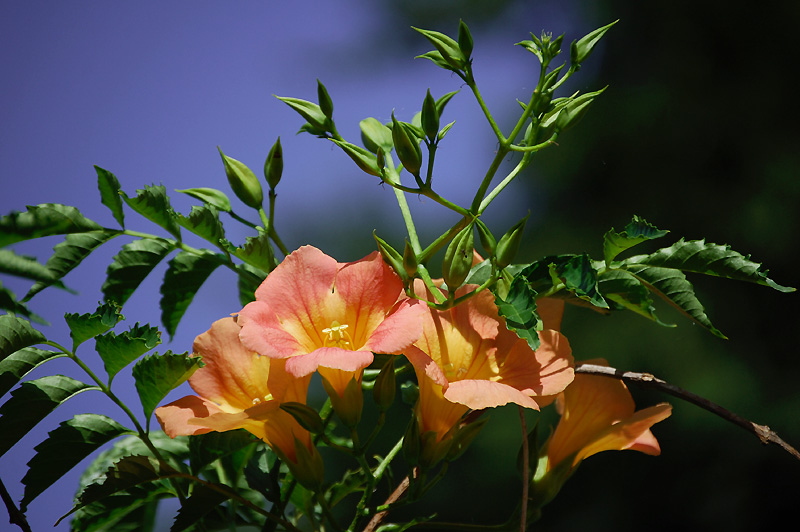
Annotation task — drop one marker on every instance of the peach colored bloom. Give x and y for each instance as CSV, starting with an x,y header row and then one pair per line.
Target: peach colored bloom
x,y
466,359
237,389
328,316
598,414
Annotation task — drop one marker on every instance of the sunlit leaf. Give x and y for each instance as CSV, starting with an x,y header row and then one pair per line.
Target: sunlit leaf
x,y
186,274
109,194
519,310
636,232
204,222
152,203
20,363
157,375
16,333
69,254
43,220
85,326
627,291
64,447
131,265
211,196
31,402
117,351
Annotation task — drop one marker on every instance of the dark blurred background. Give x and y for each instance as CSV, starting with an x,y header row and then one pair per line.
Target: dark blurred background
x,y
697,133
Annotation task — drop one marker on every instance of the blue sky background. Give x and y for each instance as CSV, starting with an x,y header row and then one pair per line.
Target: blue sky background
x,y
148,90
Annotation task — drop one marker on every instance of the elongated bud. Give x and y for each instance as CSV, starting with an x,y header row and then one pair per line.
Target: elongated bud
x,y
465,42
411,443
363,158
509,244
243,181
430,117
486,237
325,102
391,257
309,470
307,417
458,258
383,391
407,148
348,406
273,167
410,264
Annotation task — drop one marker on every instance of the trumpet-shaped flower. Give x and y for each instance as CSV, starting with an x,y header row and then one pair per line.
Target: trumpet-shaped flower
x,y
237,389
598,414
328,316
466,359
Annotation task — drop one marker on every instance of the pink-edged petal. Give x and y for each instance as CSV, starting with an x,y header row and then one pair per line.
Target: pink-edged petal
x,y
174,417
544,372
480,394
263,332
425,365
398,330
329,357
232,374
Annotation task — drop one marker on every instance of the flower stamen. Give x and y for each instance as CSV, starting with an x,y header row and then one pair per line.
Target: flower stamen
x,y
337,336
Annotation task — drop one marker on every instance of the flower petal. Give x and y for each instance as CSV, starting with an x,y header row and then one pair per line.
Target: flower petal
x,y
174,417
329,357
480,394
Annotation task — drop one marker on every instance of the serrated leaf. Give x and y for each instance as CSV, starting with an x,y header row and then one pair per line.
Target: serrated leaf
x,y
672,285
133,510
64,447
15,334
202,501
117,351
108,184
85,326
152,203
185,275
204,222
249,279
519,310
69,254
157,375
129,472
636,232
41,220
257,252
25,266
9,303
575,272
624,289
261,473
19,364
207,448
211,196
131,265
31,402
710,259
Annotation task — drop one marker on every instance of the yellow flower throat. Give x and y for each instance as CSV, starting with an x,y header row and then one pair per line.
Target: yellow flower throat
x,y
337,336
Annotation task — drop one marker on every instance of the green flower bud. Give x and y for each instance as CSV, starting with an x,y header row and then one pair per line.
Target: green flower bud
x,y
307,417
449,50
391,257
458,258
509,244
410,264
364,159
407,148
273,167
487,239
430,117
243,181
325,102
318,122
348,407
375,136
581,49
465,42
411,443
309,470
384,389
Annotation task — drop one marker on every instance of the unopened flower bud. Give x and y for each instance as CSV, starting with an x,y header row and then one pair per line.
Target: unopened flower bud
x,y
463,437
410,264
348,406
430,117
243,181
383,391
307,417
273,167
391,257
458,258
509,244
486,237
406,147
309,470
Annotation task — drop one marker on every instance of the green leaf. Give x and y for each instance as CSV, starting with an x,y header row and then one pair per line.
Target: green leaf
x,y
133,510
64,447
157,375
519,310
624,289
25,267
311,112
582,48
204,222
211,196
31,402
249,279
43,220
110,194
131,265
375,135
9,303
186,274
207,448
448,48
85,326
710,259
672,285
67,255
128,473
436,58
575,272
257,251
202,501
636,232
117,351
19,364
15,334
152,203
